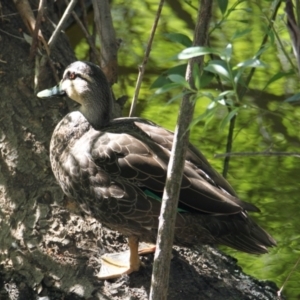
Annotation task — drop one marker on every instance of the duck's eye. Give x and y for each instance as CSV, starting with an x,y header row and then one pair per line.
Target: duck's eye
x,y
71,75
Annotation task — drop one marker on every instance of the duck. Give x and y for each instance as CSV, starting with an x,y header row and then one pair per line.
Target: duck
x,y
115,170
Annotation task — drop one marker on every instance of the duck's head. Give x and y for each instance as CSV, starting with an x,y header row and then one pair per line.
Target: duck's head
x,y
85,83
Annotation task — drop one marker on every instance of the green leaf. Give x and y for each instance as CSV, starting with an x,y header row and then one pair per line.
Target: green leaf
x,y
179,80
218,67
262,50
180,95
294,98
271,35
208,95
240,33
206,78
224,95
180,69
167,87
227,119
159,82
278,76
180,38
196,51
227,53
252,63
163,78
223,5
206,116
196,76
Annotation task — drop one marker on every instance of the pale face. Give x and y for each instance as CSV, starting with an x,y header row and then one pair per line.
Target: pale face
x,y
75,84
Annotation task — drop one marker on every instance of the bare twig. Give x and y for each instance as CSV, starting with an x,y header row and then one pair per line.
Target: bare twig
x,y
288,277
84,14
229,143
14,36
292,154
36,29
161,266
242,91
142,67
29,20
61,23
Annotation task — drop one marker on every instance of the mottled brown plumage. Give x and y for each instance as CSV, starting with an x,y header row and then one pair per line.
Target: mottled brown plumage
x,y
116,169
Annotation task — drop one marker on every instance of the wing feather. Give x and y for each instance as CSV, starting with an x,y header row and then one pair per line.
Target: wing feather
x,y
141,156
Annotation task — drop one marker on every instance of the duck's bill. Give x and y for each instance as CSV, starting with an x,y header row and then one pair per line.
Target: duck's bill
x,y
55,91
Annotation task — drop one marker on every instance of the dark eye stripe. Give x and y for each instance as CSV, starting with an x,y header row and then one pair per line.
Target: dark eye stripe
x,y
71,75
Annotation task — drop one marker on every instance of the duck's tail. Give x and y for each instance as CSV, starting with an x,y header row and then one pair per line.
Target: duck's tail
x,y
237,231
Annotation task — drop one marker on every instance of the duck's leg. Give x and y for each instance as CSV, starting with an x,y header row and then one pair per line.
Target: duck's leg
x,y
146,248
117,264
134,260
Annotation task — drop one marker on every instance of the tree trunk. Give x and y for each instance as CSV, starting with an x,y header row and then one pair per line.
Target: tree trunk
x,y
46,247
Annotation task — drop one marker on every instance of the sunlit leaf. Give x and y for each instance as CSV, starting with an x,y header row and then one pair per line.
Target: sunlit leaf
x,y
227,53
237,75
196,51
218,67
224,95
252,62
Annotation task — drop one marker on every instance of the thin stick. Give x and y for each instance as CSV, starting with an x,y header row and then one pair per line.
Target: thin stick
x,y
61,23
36,29
167,219
142,67
291,154
229,144
288,277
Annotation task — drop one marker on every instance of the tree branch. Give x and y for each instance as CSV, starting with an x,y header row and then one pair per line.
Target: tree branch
x,y
161,266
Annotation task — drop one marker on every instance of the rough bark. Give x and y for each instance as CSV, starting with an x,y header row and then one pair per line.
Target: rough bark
x,y
161,266
47,248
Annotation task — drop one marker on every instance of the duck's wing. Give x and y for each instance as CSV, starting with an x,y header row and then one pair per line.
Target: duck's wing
x,y
214,183
140,155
